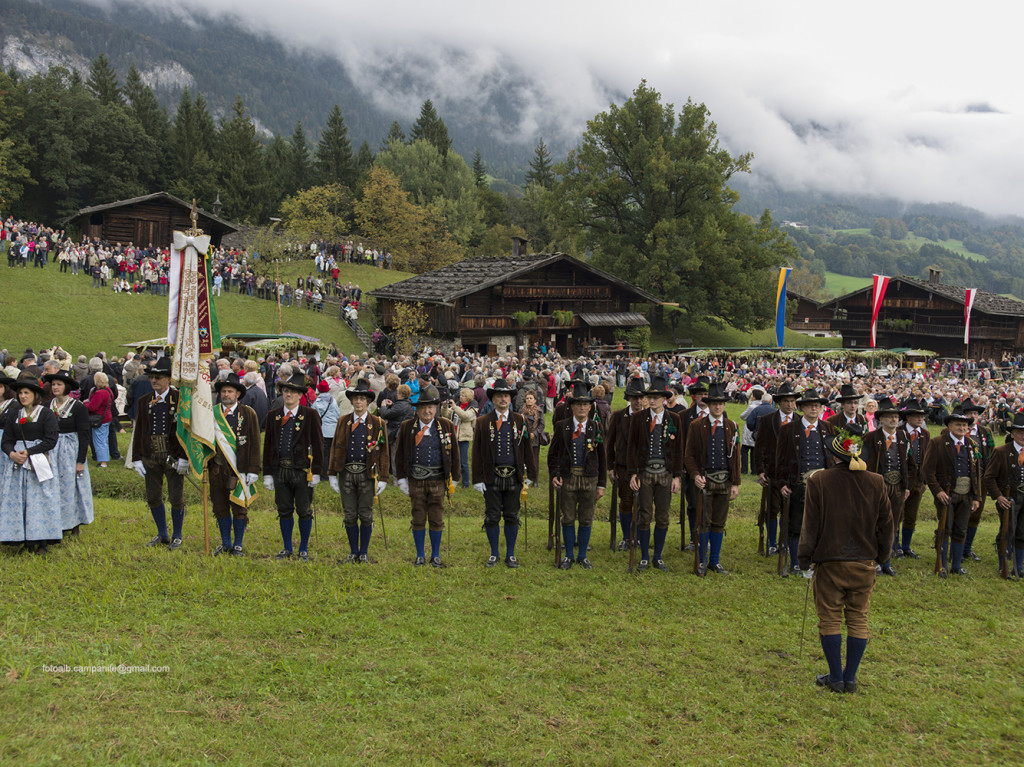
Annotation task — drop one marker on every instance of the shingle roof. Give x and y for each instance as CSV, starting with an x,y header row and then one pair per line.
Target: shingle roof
x,y
155,196
449,283
989,303
613,319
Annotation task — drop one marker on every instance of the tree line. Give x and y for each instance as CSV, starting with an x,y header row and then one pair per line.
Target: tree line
x,y
645,195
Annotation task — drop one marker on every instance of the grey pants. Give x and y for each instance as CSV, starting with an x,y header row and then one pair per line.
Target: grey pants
x,y
356,498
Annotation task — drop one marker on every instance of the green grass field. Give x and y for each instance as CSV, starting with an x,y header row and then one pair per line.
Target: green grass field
x,y
327,664
68,311
703,335
841,284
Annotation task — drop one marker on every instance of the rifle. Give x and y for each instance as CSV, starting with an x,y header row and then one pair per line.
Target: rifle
x,y
613,511
523,498
558,529
940,539
551,515
698,549
312,510
632,534
682,512
1004,545
380,507
784,536
762,515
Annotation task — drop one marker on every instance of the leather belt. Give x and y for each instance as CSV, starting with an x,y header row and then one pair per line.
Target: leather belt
x,y
962,486
426,472
576,471
656,466
158,443
504,471
718,477
893,477
355,468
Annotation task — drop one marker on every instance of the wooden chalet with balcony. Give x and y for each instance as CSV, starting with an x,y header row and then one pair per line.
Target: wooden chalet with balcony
x,y
503,305
809,316
146,220
930,315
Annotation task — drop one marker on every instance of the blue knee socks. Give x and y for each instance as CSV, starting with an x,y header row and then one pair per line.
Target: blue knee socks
x,y
419,537
287,525
659,541
716,547
773,529
365,530
160,517
225,532
832,645
794,550
492,539
239,524
352,532
435,543
568,540
644,536
969,541
584,542
177,520
511,533
626,523
908,533
305,528
854,652
1018,556
958,555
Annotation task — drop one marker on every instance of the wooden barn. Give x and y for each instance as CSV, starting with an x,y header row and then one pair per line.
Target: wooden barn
x,y
502,305
144,220
926,314
809,316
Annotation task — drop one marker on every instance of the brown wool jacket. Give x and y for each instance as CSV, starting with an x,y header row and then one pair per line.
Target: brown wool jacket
x,y
696,448
378,457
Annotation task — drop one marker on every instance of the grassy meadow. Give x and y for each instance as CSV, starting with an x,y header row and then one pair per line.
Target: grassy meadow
x,y
327,664
84,320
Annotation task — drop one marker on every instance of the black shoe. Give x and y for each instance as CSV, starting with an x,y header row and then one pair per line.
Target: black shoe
x,y
74,531
850,687
585,563
897,554
943,573
491,561
772,551
511,562
823,680
888,570
958,571
364,559
689,547
283,554
660,564
972,556
236,551
566,564
158,541
623,545
420,561
436,562
717,569
911,553
218,551
644,564
304,556
175,544
352,559
794,570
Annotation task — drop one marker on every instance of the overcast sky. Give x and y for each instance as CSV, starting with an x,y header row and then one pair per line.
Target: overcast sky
x,y
922,101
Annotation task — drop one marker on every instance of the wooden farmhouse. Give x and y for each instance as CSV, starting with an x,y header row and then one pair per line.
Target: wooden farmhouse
x,y
930,315
144,220
809,316
502,305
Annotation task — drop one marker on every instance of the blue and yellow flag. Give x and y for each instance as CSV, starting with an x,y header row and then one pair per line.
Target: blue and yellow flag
x,y
780,307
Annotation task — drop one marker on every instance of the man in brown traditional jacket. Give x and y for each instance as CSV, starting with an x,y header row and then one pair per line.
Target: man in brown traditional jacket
x,y
1004,482
359,467
918,438
847,529
713,461
232,512
765,446
887,453
617,444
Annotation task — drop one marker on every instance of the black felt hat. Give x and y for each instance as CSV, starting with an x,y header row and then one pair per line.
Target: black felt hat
x,y
230,380
162,367
361,389
500,386
297,382
61,375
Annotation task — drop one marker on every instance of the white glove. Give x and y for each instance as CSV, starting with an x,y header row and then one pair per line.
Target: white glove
x,y
333,482
182,466
381,487
315,481
250,479
403,485
527,483
139,469
268,482
480,487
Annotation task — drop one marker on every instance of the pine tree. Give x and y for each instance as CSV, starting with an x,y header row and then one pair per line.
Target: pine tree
x,y
146,110
364,159
300,162
540,167
479,170
334,160
102,81
246,185
432,128
394,134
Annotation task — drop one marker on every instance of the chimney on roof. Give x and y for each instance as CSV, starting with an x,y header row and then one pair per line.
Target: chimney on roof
x,y
934,275
519,246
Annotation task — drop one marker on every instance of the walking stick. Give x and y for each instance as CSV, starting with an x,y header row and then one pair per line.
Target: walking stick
x,y
613,511
682,513
206,512
803,623
632,531
551,515
1004,548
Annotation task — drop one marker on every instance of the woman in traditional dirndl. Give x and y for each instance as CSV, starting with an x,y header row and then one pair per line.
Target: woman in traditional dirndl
x,y
7,401
69,457
30,506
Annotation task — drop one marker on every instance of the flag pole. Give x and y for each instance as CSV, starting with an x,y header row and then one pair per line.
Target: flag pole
x,y
277,289
206,510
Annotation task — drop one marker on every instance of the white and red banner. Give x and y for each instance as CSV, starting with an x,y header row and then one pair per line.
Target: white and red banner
x,y
968,305
878,293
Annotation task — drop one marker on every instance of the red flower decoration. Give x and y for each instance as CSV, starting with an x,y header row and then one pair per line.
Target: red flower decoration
x,y
22,420
847,444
